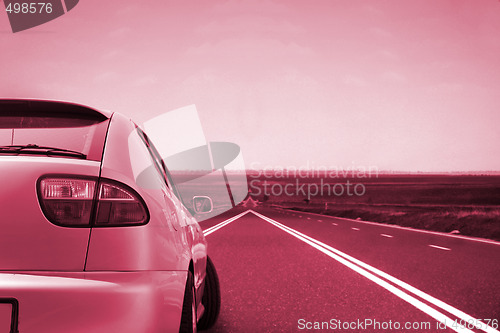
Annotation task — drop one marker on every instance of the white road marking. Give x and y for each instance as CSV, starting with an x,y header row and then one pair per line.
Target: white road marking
x,y
440,247
223,223
369,272
334,223
308,218
474,239
357,229
385,235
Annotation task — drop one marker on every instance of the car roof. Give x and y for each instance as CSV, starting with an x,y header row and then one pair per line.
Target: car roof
x,y
11,106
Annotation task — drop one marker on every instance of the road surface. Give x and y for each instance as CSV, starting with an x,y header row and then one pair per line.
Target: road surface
x,y
286,271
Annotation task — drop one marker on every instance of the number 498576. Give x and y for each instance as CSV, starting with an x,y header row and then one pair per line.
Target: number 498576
x,y
29,8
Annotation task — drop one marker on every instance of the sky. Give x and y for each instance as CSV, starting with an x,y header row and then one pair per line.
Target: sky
x,y
400,85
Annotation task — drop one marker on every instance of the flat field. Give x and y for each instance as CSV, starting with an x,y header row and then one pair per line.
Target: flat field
x,y
460,204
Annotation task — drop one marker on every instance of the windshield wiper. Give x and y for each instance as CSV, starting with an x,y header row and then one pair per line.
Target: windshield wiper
x,y
40,150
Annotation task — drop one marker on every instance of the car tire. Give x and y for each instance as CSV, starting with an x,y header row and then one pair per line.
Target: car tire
x,y
211,297
188,318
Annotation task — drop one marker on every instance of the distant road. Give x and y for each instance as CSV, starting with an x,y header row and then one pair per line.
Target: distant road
x,y
284,271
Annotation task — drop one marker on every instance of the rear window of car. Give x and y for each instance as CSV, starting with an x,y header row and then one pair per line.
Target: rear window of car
x,y
63,127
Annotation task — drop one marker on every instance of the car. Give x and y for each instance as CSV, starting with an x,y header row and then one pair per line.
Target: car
x,y
95,236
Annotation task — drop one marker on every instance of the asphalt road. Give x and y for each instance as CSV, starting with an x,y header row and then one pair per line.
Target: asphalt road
x,y
283,271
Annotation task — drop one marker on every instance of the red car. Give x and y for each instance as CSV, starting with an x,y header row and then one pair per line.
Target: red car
x,y
95,236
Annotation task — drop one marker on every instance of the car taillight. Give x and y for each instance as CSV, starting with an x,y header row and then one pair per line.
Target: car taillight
x,y
119,205
67,201
70,202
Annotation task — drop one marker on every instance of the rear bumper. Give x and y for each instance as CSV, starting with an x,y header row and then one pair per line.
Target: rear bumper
x,y
149,301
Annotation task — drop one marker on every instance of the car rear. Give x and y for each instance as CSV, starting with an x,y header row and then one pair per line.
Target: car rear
x,y
69,256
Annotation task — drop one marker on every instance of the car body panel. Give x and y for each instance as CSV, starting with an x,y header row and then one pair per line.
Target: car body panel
x,y
154,246
28,240
125,302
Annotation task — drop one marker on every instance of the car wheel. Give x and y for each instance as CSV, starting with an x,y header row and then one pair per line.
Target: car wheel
x,y
211,297
188,319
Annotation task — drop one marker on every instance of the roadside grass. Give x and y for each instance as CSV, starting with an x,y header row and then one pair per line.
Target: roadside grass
x,y
475,222
464,205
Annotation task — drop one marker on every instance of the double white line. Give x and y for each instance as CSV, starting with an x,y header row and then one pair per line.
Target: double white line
x,y
377,276
223,223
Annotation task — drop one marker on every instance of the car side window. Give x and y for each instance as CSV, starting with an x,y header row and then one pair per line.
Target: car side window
x,y
158,161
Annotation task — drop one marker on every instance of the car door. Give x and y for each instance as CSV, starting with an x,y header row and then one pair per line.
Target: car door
x,y
188,225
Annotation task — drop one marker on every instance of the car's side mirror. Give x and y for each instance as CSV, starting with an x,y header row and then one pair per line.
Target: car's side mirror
x,y
202,204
